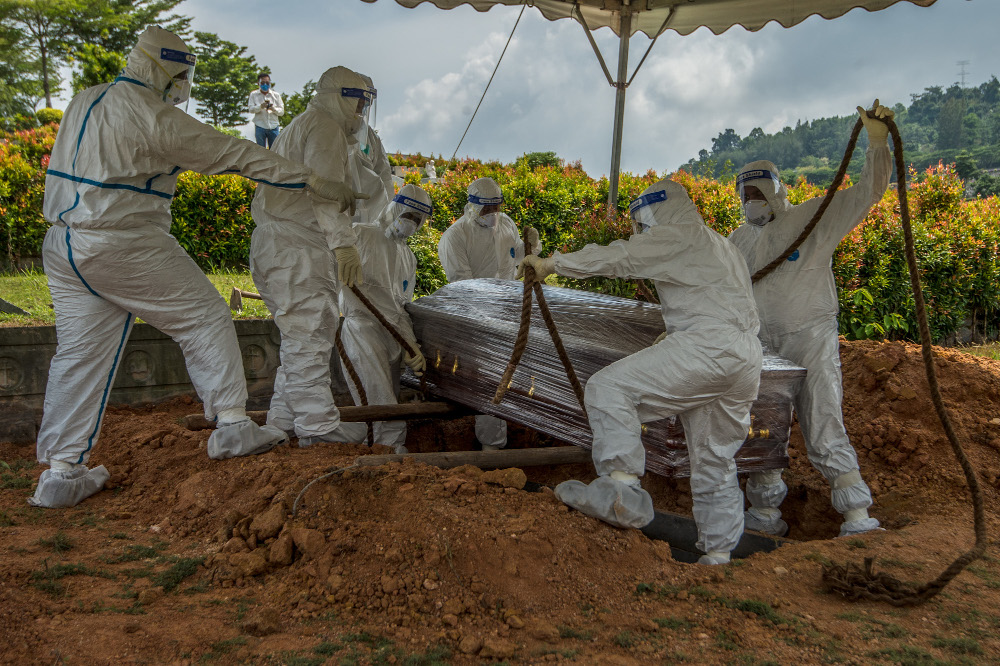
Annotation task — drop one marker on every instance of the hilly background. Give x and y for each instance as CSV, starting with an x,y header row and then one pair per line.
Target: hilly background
x,y
955,124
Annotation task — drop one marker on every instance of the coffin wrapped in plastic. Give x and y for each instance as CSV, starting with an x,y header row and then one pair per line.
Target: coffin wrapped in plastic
x,y
467,331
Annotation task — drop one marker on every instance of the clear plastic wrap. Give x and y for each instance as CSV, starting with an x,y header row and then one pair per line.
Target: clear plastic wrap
x,y
467,331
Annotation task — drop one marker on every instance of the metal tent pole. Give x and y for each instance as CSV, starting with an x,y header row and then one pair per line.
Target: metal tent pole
x,y
625,27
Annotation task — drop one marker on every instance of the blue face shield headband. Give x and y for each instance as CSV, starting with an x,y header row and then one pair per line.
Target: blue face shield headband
x,y
642,214
418,206
485,201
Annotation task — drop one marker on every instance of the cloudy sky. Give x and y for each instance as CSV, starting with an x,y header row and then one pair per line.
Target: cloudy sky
x,y
430,67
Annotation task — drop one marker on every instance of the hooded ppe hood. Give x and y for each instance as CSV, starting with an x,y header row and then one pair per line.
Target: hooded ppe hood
x,y
776,196
329,97
482,192
141,66
410,199
675,208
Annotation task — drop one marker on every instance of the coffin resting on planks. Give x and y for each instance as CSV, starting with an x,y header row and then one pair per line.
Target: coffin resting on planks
x,y
467,331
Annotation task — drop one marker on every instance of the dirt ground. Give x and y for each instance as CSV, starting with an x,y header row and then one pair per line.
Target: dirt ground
x,y
186,560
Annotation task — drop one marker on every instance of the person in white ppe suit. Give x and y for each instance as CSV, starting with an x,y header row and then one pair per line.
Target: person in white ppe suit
x,y
484,243
390,272
798,311
705,369
109,258
302,253
370,170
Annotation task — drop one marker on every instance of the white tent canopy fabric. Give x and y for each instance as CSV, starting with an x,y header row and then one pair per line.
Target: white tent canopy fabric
x,y
685,16
654,17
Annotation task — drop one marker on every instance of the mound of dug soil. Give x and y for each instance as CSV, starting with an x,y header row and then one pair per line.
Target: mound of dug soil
x,y
187,560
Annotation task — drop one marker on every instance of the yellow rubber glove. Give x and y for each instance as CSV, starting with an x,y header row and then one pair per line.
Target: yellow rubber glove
x,y
878,131
416,363
348,266
660,338
543,267
533,245
334,190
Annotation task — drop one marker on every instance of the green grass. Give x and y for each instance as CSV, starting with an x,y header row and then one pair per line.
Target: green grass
x,y
958,645
172,577
570,632
14,482
59,543
991,350
624,640
907,655
6,520
29,291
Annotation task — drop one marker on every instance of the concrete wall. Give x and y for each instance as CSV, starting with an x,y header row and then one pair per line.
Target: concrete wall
x,y
152,369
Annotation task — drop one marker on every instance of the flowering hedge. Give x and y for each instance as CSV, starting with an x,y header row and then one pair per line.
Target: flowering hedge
x,y
957,241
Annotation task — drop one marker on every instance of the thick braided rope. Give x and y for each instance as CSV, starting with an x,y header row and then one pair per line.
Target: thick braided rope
x,y
522,337
557,341
396,335
855,582
834,186
353,375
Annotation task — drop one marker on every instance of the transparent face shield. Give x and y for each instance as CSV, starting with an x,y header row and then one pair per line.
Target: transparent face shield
x,y
757,184
365,100
178,90
412,214
489,213
641,211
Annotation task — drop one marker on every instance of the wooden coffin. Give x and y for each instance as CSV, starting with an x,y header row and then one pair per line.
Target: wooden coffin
x,y
467,331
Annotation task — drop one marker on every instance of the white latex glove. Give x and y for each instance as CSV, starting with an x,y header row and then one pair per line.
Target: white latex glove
x,y
348,266
416,363
531,234
543,267
334,190
660,338
878,131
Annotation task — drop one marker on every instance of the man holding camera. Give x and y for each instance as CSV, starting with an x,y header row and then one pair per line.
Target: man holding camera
x,y
266,106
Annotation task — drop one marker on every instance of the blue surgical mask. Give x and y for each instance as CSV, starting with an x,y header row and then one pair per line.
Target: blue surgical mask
x,y
264,87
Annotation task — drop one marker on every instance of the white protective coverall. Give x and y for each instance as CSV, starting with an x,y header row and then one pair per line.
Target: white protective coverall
x,y
110,258
295,269
706,370
390,273
798,311
371,174
474,247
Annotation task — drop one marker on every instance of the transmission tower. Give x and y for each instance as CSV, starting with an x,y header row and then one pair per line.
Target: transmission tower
x,y
961,70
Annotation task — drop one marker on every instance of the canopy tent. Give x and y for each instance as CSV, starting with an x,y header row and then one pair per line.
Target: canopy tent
x,y
654,17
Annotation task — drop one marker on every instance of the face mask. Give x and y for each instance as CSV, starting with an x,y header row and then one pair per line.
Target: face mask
x,y
264,87
401,228
489,221
178,91
757,212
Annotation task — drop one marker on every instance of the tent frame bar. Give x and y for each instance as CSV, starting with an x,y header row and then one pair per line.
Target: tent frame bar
x,y
620,85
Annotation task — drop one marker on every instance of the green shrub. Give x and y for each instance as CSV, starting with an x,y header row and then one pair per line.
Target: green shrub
x,y
24,156
48,116
211,219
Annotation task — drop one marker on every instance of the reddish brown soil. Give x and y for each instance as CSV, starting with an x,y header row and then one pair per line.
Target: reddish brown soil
x,y
187,560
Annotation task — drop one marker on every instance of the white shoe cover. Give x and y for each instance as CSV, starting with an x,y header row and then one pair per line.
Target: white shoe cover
x,y
349,433
244,438
764,524
854,527
714,558
61,490
619,504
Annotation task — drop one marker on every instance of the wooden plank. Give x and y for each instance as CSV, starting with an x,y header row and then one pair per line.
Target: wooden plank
x,y
355,414
552,455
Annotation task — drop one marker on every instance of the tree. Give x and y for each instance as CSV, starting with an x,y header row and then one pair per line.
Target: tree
x,y
50,28
950,124
224,78
296,103
965,165
728,140
109,33
20,89
96,65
